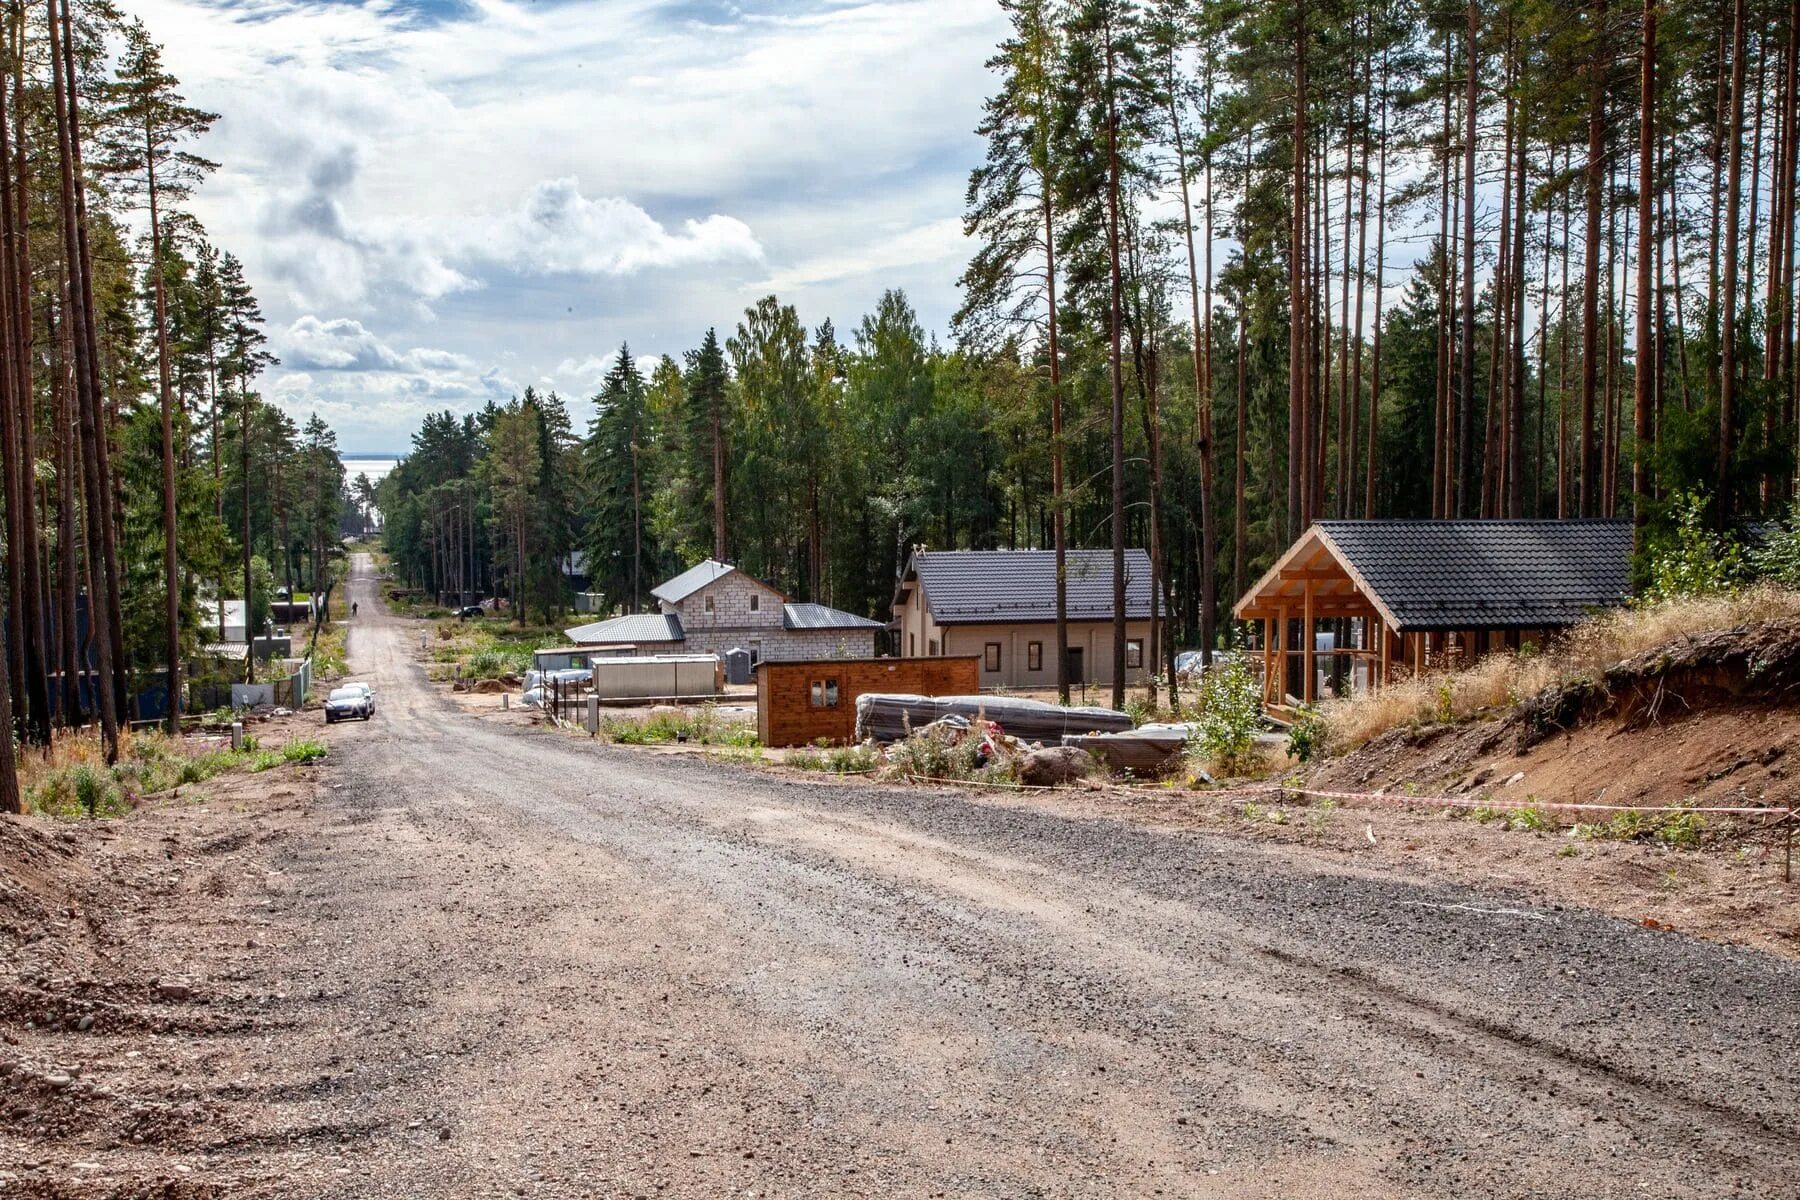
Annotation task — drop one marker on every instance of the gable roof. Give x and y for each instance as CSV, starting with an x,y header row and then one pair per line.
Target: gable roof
x,y
971,587
675,590
819,616
1469,574
633,627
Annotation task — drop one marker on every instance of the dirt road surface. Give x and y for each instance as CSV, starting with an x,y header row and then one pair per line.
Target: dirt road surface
x,y
502,962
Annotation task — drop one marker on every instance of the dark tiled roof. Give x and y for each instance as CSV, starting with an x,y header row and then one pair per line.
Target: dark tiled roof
x,y
968,587
1487,574
634,627
676,590
818,616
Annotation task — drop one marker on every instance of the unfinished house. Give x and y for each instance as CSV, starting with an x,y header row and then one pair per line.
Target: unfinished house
x,y
1353,604
1000,606
803,703
714,607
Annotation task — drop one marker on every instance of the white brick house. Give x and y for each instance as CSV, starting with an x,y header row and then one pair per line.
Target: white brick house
x,y
714,607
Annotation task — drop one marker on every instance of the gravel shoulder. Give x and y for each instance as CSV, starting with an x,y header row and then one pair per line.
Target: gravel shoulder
x,y
470,959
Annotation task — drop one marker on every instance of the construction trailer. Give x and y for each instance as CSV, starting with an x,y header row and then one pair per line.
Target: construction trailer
x,y
806,702
655,678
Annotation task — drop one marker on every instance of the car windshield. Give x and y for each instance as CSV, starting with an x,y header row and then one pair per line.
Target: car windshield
x,y
347,694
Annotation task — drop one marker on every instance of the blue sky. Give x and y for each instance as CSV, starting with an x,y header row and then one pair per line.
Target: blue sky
x,y
439,203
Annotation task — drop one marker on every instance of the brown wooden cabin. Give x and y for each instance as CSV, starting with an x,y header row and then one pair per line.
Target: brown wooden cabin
x,y
802,703
1355,604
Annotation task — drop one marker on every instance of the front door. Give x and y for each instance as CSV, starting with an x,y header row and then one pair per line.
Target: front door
x,y
1077,672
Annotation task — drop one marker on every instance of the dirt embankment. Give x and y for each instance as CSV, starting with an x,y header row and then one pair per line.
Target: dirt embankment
x,y
1709,720
124,945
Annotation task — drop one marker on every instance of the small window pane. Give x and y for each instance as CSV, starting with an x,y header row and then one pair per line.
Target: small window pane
x,y
992,657
831,693
755,602
1034,656
1134,653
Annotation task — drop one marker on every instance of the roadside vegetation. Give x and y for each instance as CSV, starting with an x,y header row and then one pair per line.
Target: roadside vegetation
x,y
485,649
72,781
701,726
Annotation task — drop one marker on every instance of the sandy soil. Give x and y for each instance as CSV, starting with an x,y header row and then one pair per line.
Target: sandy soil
x,y
477,960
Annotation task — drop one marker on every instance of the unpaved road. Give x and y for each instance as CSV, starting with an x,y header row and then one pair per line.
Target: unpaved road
x,y
519,963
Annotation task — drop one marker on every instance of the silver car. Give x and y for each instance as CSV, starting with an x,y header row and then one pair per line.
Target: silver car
x,y
351,700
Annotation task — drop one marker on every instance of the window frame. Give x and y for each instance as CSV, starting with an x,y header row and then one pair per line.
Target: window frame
x,y
1134,654
990,657
1034,656
824,692
709,604
755,601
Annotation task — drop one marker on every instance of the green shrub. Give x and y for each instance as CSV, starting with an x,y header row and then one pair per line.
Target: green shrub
x,y
1230,713
1697,560
74,792
1309,737
937,753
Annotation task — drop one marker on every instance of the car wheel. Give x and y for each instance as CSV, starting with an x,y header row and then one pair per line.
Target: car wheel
x,y
329,719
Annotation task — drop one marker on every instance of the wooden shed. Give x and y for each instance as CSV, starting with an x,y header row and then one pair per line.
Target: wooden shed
x,y
1353,604
800,703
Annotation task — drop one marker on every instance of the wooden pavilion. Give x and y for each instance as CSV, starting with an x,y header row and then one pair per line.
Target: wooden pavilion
x,y
1354,604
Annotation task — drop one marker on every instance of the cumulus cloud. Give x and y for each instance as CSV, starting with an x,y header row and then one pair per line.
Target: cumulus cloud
x,y
516,182
557,230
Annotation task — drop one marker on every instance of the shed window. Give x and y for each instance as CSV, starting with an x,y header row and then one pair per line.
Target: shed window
x,y
755,602
991,657
1134,653
1034,656
825,693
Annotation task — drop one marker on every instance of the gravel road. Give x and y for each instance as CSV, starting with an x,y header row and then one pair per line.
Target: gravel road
x,y
535,965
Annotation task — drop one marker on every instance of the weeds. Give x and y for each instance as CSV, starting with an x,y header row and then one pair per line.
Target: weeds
x,y
700,726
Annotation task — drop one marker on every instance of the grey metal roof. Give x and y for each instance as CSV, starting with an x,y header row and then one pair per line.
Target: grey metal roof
x,y
1486,574
633,627
970,587
675,590
819,616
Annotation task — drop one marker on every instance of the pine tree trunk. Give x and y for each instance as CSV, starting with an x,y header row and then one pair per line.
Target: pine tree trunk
x,y
1373,472
96,476
1465,501
1641,381
1115,321
1728,314
1589,483
171,577
1299,310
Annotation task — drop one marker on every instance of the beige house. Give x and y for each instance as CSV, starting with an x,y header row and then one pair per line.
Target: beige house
x,y
1000,605
714,607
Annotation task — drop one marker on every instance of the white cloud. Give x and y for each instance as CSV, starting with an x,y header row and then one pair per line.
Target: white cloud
x,y
416,174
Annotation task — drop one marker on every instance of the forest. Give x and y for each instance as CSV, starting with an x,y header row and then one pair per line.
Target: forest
x,y
145,478
1235,268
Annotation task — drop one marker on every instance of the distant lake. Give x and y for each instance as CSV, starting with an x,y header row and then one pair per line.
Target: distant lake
x,y
375,466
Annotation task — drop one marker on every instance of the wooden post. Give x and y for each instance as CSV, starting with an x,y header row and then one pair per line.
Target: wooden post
x,y
1279,695
1308,643
1381,674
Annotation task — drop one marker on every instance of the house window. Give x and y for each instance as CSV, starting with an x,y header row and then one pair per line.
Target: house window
x,y
825,693
931,648
1034,656
1134,653
755,651
912,645
991,657
755,602
709,604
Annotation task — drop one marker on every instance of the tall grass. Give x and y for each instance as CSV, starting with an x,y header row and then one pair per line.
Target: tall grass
x,y
1497,682
70,779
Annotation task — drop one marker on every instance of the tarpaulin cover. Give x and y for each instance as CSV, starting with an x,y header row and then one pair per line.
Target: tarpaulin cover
x,y
887,716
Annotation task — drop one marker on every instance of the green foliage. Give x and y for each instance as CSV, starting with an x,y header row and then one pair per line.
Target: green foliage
x,y
1777,558
838,760
938,752
1696,560
78,791
700,727
1309,737
1230,713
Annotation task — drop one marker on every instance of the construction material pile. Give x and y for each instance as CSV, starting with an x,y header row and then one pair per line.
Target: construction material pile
x,y
891,716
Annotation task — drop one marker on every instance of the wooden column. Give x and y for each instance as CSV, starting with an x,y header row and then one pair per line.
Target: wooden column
x,y
1380,678
1279,693
1308,644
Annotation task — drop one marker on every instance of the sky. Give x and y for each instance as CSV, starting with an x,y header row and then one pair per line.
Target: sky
x,y
439,203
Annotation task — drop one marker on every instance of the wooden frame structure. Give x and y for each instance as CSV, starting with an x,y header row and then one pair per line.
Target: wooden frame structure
x,y
1315,588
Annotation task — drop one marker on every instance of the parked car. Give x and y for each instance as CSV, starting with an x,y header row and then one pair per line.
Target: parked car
x,y
351,700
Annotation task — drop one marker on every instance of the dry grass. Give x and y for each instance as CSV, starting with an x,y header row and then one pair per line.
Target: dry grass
x,y
1499,681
